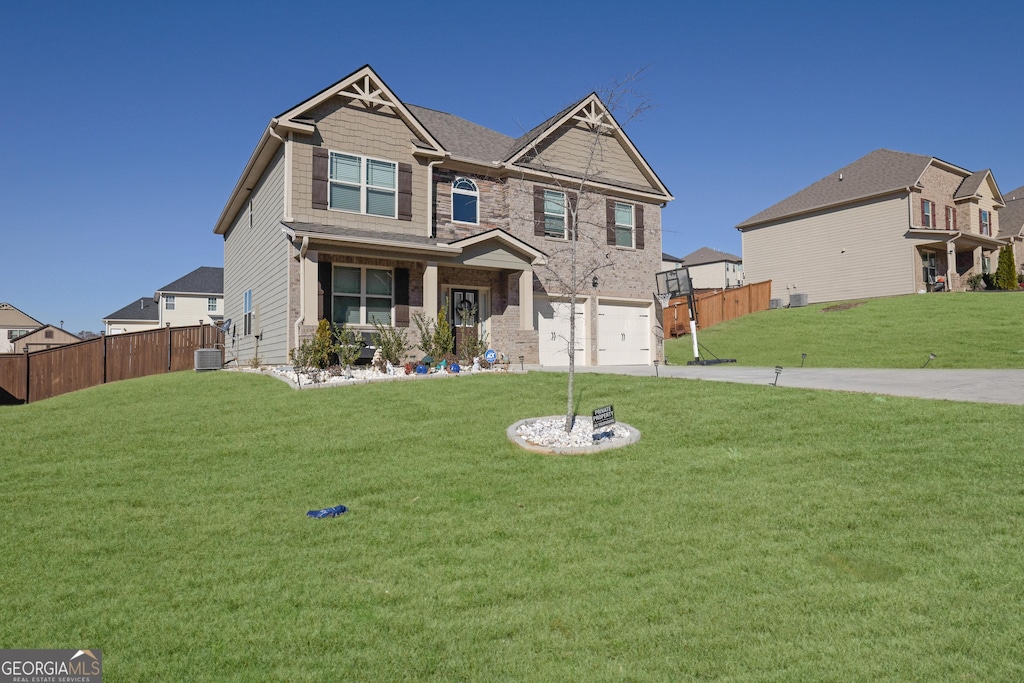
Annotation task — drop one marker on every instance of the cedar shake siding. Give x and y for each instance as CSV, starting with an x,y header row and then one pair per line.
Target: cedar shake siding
x,y
572,149
256,258
856,251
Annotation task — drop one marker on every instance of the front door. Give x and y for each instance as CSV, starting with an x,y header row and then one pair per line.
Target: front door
x,y
465,316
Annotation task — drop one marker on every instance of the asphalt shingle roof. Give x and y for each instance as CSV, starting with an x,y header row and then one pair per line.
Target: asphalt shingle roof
x,y
709,255
969,187
202,280
1011,216
878,173
143,308
461,137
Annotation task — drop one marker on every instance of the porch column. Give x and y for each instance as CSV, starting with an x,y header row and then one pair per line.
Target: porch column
x,y
309,281
430,289
950,265
526,300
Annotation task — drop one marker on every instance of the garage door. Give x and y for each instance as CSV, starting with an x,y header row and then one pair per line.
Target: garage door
x,y
553,332
623,334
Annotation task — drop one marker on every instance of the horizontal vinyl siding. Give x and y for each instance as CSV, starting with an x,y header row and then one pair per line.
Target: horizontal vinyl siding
x,y
858,251
256,258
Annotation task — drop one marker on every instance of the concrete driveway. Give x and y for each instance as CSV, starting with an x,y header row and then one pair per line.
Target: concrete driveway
x,y
978,386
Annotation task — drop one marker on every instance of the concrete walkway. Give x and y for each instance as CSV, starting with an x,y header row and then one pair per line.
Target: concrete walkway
x,y
978,386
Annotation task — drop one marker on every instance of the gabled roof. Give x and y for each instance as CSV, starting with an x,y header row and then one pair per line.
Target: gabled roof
x,y
202,280
670,257
1011,216
707,255
39,329
971,186
879,173
12,317
463,138
143,309
536,256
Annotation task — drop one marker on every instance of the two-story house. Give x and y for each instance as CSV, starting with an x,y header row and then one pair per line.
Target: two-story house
x,y
889,223
713,269
191,299
1011,224
14,324
358,208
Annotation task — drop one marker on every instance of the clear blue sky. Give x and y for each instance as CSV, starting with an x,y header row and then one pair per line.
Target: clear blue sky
x,y
127,124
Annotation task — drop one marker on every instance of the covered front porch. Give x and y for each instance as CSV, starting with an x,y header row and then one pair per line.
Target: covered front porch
x,y
951,257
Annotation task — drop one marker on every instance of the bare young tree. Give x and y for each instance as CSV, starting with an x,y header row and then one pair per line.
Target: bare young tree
x,y
570,269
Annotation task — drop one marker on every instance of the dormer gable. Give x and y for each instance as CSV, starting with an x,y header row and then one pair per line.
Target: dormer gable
x,y
584,141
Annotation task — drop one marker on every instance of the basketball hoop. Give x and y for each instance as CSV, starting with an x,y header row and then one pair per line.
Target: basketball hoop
x,y
663,299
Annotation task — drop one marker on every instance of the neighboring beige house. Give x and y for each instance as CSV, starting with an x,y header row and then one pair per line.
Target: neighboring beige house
x,y
889,223
44,337
357,207
14,324
713,269
1011,225
670,262
189,300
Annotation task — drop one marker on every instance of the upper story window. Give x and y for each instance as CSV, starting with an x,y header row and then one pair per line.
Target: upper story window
x,y
623,225
247,312
950,218
985,222
211,304
554,214
14,334
928,213
465,201
169,302
363,185
362,296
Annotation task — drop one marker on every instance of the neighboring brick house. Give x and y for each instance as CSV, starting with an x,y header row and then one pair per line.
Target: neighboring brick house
x,y
889,223
357,207
198,296
713,269
1011,225
14,324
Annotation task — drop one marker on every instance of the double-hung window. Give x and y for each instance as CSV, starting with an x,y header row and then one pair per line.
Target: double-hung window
x,y
465,201
950,218
247,312
623,225
362,296
363,185
14,334
928,213
169,302
554,214
211,304
985,222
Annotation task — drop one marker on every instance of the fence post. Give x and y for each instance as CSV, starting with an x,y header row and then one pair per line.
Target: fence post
x,y
28,376
168,348
104,359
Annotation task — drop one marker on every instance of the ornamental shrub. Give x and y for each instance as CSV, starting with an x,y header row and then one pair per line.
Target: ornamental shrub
x,y
1006,273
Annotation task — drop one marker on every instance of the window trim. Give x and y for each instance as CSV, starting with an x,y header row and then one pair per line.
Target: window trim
x,y
928,213
247,317
620,226
564,216
950,218
363,296
985,222
475,193
169,302
363,185
211,304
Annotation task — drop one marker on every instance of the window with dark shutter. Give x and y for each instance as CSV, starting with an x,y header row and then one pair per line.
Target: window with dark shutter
x,y
538,211
609,212
405,192
324,297
639,216
401,297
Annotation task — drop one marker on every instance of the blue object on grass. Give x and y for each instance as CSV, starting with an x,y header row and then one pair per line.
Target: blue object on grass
x,y
327,512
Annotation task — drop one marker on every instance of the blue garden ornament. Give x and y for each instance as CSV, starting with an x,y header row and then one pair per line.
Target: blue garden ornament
x,y
327,512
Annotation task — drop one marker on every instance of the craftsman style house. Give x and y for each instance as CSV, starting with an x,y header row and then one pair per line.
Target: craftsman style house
x,y
889,223
358,208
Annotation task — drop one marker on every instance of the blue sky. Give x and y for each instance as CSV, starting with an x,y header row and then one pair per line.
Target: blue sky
x,y
127,124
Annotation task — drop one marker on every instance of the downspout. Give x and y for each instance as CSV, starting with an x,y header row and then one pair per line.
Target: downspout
x,y
303,248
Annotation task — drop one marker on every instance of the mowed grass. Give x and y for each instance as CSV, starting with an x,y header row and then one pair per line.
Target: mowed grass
x,y
962,329
754,533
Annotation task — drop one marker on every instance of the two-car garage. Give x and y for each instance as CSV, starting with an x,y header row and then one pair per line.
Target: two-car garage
x,y
624,334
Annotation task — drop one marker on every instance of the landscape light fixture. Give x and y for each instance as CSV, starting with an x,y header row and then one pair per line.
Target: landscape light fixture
x,y
778,371
520,363
655,367
931,357
803,357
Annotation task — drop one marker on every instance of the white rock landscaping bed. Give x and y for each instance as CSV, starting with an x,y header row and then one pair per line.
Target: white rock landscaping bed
x,y
548,435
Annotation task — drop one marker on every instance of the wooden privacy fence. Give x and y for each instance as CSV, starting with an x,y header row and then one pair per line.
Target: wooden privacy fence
x,y
715,307
30,377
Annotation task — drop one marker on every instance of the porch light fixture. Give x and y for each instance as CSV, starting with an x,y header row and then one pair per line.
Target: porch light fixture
x,y
593,282
931,357
778,371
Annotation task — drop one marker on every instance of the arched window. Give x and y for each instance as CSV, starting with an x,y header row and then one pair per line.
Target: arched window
x,y
465,201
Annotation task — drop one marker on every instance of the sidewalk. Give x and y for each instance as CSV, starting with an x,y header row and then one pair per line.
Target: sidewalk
x,y
977,386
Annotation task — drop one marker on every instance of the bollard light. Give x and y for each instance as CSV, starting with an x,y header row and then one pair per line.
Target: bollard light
x,y
931,357
521,369
778,371
655,367
803,357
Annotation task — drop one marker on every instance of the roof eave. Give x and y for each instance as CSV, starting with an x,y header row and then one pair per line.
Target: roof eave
x,y
797,214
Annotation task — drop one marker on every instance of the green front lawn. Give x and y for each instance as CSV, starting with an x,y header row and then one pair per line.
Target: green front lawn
x,y
754,534
963,330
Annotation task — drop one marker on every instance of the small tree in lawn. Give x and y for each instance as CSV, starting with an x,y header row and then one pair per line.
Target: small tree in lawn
x,y
1006,272
569,270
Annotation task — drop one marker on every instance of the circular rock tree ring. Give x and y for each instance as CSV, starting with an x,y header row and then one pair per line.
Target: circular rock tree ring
x,y
548,435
